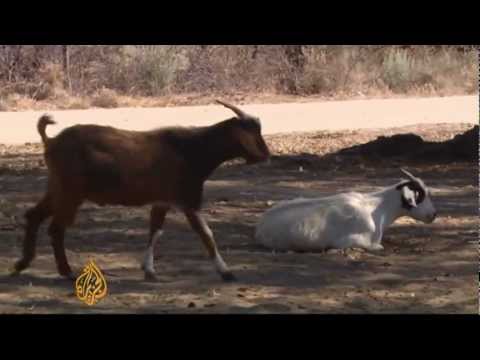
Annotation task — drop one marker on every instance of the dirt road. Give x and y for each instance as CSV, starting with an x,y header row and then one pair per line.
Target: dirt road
x,y
19,127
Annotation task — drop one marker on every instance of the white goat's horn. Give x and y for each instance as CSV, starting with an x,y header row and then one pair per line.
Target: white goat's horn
x,y
410,176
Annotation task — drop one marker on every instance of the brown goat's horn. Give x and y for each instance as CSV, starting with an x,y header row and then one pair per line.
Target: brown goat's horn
x,y
410,176
236,110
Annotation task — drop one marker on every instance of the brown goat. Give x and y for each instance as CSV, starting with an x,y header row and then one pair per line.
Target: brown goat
x,y
166,167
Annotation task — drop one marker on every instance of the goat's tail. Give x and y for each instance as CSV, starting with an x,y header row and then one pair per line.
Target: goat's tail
x,y
42,124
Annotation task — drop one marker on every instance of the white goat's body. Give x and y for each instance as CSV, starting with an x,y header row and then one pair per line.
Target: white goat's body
x,y
321,223
339,221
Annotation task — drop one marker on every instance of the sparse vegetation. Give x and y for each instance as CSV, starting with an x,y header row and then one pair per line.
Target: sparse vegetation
x,y
105,98
111,76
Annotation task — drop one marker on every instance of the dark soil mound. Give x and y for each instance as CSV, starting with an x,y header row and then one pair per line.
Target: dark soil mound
x,y
413,147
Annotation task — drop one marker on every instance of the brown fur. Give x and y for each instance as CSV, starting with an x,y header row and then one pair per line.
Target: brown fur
x,y
106,165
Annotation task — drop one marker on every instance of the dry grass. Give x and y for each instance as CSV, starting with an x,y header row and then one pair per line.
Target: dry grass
x,y
113,76
105,98
3,105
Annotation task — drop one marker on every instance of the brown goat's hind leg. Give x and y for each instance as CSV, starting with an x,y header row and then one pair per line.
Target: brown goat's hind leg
x,y
56,230
157,219
200,226
34,218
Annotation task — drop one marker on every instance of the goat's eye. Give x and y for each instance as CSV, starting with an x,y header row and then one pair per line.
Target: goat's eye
x,y
419,196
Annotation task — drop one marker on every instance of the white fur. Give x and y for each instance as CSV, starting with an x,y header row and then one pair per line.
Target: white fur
x,y
339,221
148,260
220,264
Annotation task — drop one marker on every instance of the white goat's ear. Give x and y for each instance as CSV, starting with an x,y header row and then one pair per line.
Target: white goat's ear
x,y
409,196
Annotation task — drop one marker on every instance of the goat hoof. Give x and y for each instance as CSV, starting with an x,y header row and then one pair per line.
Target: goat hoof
x,y
68,275
14,273
376,248
19,266
71,277
228,277
151,277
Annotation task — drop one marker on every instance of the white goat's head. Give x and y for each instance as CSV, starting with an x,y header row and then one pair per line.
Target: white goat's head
x,y
416,199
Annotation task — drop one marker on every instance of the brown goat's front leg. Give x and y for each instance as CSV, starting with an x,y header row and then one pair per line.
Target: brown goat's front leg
x,y
157,219
200,226
34,217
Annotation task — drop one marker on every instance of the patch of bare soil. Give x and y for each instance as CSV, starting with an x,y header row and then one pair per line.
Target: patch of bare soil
x,y
424,269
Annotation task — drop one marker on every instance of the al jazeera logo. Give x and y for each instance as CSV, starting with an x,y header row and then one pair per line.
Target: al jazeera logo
x,y
91,285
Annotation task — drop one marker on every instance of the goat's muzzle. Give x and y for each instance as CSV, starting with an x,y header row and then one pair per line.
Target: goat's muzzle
x,y
258,159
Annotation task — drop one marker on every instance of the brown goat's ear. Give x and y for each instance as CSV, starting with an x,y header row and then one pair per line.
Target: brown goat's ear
x,y
251,144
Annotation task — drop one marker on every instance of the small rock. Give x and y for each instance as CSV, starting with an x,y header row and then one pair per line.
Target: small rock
x,y
213,293
334,251
191,304
209,305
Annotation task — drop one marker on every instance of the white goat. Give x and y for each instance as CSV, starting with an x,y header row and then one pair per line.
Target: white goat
x,y
344,220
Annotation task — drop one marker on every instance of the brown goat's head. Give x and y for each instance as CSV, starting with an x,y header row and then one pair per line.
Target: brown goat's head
x,y
247,131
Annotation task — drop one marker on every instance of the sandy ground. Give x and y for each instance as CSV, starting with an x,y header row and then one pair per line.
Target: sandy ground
x,y
424,268
20,127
